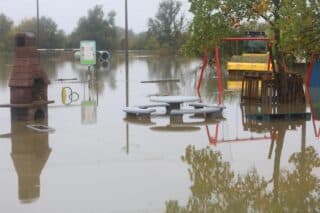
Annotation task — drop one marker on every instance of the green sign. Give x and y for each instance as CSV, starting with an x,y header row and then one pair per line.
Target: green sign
x,y
88,52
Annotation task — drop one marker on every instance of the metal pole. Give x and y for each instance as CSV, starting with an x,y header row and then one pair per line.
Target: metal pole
x,y
220,87
38,27
128,138
126,53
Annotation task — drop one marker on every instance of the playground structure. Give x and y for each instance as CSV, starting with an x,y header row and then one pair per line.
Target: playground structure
x,y
262,89
257,86
254,56
254,124
233,66
266,88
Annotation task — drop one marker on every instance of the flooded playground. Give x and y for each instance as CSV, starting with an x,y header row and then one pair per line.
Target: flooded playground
x,y
96,160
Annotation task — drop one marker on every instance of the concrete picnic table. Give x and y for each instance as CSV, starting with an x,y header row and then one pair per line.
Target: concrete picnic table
x,y
173,101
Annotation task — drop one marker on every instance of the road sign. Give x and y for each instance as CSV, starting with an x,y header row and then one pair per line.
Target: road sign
x,y
88,52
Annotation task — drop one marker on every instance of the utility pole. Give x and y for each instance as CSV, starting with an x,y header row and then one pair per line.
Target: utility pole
x,y
38,25
126,53
127,72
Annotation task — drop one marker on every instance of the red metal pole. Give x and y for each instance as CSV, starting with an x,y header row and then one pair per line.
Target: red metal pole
x,y
219,76
310,69
213,140
204,65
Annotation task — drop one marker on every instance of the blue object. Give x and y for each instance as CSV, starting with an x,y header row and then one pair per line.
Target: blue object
x,y
315,101
315,74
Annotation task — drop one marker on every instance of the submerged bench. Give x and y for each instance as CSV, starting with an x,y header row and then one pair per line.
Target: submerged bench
x,y
138,112
205,112
146,106
202,105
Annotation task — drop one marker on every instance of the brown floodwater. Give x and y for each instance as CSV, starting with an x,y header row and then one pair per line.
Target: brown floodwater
x,y
95,160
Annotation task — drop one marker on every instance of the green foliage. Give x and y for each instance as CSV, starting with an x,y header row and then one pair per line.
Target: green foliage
x,y
293,24
167,26
216,188
96,27
207,28
6,33
50,36
152,43
301,29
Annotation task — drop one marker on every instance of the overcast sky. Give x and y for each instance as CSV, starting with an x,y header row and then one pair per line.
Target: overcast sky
x,y
67,12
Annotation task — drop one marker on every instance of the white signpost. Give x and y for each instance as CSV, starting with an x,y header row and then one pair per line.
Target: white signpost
x,y
88,52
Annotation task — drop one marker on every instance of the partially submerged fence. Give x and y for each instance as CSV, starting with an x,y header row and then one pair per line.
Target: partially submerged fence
x,y
265,88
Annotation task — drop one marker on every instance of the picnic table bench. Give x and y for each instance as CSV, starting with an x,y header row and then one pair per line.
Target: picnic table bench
x,y
174,102
202,105
146,106
206,112
138,112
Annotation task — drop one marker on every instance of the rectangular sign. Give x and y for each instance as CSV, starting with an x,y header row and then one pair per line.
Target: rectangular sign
x,y
88,52
88,112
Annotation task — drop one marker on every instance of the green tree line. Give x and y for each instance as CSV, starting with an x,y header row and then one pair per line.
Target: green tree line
x,y
293,25
165,30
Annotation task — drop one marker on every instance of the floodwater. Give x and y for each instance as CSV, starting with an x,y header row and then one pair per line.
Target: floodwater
x,y
98,161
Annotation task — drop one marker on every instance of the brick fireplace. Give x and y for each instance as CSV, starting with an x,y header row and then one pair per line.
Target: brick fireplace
x,y
28,82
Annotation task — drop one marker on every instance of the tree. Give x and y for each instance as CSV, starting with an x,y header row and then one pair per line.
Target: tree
x,y
96,27
6,38
294,25
49,34
300,29
168,25
207,28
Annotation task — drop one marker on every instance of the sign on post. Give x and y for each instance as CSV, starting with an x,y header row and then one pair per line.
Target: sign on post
x,y
88,52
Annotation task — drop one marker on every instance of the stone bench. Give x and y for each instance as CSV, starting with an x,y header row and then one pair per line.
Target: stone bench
x,y
202,105
205,112
138,112
146,106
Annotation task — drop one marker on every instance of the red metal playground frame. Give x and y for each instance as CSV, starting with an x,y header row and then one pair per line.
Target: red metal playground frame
x,y
218,67
214,139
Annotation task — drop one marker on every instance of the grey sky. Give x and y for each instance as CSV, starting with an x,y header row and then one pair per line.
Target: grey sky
x,y
67,12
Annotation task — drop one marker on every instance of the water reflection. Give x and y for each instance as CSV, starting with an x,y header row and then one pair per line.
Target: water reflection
x,y
30,151
172,68
231,86
90,99
216,187
314,101
101,165
6,64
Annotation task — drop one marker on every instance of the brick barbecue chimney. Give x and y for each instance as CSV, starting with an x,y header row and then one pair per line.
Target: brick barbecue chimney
x,y
28,82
